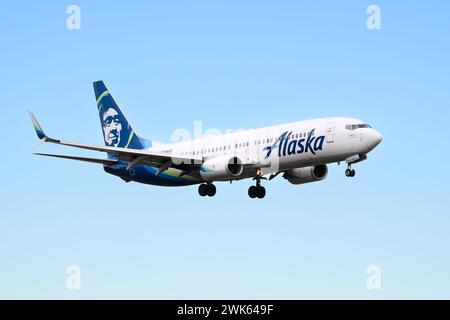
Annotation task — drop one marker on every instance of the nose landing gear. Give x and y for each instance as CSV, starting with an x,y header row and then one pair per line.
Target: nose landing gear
x,y
352,160
257,191
207,189
350,172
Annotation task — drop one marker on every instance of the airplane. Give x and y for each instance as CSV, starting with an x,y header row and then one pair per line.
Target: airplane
x,y
300,151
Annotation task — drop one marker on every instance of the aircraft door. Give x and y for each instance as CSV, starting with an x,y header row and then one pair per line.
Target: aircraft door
x,y
331,128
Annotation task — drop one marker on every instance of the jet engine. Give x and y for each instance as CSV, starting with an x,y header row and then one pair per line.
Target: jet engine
x,y
223,168
306,174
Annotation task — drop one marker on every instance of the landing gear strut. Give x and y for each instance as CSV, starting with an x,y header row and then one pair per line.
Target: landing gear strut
x,y
207,189
350,172
257,191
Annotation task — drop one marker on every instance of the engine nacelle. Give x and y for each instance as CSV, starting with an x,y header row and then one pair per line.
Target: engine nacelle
x,y
224,168
307,174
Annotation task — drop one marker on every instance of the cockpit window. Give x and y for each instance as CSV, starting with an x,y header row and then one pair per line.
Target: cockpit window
x,y
357,126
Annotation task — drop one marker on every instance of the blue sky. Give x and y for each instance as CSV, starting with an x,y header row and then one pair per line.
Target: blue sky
x,y
231,65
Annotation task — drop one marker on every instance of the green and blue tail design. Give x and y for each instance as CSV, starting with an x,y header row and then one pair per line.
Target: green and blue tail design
x,y
117,131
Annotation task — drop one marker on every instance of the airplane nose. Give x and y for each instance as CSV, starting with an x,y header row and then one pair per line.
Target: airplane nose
x,y
373,139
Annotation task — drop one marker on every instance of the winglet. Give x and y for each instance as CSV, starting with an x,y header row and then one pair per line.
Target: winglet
x,y
39,131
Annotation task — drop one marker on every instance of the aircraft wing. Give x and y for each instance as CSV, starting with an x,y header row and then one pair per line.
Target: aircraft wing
x,y
133,156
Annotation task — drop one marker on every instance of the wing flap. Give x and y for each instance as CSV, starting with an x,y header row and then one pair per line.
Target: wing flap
x,y
92,160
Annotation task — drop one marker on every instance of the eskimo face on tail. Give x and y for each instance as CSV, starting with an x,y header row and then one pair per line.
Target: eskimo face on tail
x,y
112,127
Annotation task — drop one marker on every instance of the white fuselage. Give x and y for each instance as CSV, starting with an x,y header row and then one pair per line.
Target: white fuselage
x,y
305,143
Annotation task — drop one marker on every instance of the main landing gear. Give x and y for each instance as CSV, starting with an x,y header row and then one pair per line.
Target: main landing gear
x,y
257,191
350,172
207,189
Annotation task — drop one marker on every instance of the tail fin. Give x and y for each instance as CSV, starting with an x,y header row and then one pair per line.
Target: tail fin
x,y
117,131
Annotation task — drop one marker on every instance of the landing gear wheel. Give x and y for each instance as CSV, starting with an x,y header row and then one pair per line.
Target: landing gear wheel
x,y
350,172
261,192
207,189
211,190
252,192
203,190
257,192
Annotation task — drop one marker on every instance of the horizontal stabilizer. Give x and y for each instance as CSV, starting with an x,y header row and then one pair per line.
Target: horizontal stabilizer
x,y
92,160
